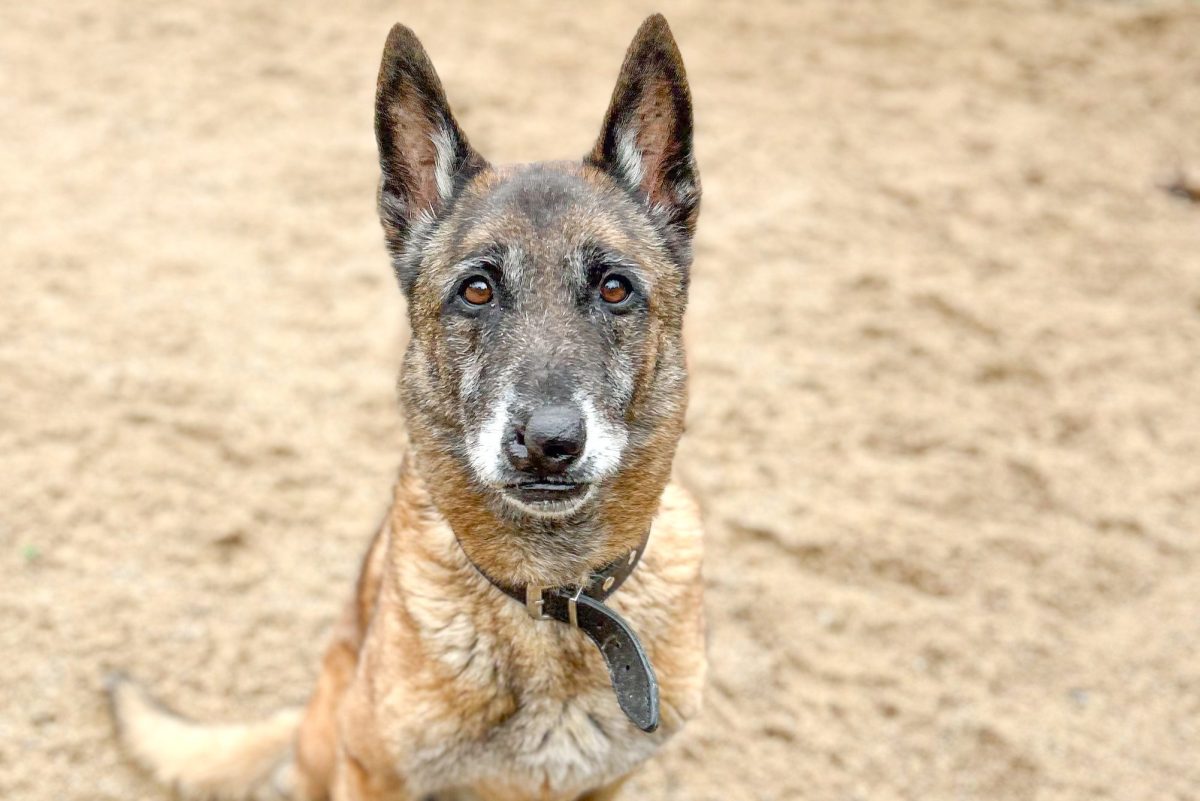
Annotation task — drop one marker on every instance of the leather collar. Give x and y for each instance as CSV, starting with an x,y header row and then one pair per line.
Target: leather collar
x,y
582,606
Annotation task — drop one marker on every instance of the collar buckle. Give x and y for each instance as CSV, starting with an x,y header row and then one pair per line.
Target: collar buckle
x,y
534,602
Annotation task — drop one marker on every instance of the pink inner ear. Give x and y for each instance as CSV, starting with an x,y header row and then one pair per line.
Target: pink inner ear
x,y
654,122
416,154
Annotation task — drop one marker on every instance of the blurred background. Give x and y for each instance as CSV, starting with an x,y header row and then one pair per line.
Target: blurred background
x,y
944,335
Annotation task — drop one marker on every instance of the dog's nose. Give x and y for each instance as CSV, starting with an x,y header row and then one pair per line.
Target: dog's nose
x,y
552,438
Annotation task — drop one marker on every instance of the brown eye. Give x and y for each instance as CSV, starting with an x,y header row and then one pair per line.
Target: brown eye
x,y
615,289
476,292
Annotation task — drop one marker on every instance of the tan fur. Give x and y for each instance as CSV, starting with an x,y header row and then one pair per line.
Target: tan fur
x,y
435,681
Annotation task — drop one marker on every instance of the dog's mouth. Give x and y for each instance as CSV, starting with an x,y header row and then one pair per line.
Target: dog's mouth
x,y
547,496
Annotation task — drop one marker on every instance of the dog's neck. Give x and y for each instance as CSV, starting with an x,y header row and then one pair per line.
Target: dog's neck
x,y
597,583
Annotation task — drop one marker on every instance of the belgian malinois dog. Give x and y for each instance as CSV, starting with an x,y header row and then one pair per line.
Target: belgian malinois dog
x,y
528,620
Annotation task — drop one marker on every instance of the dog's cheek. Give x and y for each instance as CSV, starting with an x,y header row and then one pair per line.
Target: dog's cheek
x,y
466,363
419,393
621,380
634,365
470,382
617,366
458,353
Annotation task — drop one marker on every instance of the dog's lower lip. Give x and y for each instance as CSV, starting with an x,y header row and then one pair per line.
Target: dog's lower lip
x,y
549,493
547,486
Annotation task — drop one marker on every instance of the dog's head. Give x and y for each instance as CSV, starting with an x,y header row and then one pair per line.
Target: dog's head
x,y
544,382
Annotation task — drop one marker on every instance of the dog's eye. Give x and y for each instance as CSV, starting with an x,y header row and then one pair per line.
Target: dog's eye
x,y
476,291
615,289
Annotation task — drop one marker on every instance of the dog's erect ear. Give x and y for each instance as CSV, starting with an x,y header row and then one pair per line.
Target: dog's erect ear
x,y
423,153
646,141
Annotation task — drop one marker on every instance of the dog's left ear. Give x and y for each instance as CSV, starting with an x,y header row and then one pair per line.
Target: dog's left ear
x,y
646,141
424,155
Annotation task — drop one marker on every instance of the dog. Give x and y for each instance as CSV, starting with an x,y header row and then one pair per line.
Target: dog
x,y
528,620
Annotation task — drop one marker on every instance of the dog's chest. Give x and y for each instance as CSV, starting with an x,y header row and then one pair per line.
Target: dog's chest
x,y
547,750
534,717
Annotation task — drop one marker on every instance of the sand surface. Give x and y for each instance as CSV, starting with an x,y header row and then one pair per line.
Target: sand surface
x,y
945,339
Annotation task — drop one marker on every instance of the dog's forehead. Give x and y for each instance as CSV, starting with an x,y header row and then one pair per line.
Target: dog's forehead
x,y
541,193
545,209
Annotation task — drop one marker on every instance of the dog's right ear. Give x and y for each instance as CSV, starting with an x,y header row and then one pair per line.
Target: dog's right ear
x,y
424,156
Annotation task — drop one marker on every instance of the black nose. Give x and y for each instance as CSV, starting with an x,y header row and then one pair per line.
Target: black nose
x,y
551,439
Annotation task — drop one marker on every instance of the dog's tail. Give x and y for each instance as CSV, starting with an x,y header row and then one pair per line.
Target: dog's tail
x,y
211,761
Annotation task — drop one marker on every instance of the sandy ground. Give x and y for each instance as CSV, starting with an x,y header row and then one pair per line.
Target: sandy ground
x,y
945,340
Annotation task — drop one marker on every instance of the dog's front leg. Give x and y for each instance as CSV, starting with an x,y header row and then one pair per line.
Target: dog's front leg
x,y
606,793
316,742
353,781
